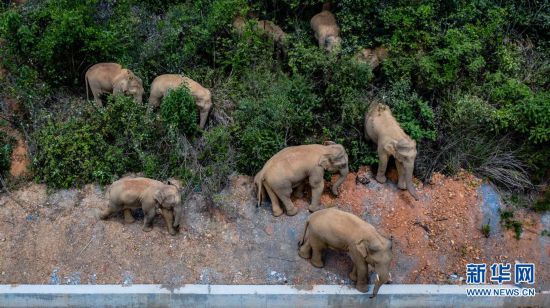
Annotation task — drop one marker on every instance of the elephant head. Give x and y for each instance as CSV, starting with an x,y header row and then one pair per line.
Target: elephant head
x,y
332,43
378,254
169,197
335,159
404,152
129,84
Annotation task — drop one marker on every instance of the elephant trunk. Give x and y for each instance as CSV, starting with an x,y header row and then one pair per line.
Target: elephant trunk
x,y
177,215
381,279
410,185
343,173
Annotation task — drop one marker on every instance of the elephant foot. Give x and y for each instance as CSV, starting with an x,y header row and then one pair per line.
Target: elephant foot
x,y
304,253
299,194
147,228
402,186
317,263
173,232
353,276
277,212
103,216
313,208
129,220
362,287
292,211
381,179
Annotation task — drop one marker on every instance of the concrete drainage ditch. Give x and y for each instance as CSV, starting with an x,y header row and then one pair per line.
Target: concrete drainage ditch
x,y
255,296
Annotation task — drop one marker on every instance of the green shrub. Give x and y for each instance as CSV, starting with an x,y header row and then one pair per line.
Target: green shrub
x,y
276,111
97,146
6,147
179,110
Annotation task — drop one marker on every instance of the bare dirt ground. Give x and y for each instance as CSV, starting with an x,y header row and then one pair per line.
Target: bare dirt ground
x,y
55,237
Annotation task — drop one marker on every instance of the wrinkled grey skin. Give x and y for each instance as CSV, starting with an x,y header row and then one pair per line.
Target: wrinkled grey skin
x,y
342,231
151,195
382,128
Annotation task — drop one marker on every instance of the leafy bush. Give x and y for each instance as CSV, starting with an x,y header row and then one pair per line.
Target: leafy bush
x,y
98,146
179,110
275,112
6,144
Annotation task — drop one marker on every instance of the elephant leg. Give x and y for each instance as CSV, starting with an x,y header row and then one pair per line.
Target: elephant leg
x,y
299,190
97,96
317,254
361,272
382,165
203,117
401,183
317,186
284,195
305,250
128,218
353,273
148,220
169,219
112,208
277,211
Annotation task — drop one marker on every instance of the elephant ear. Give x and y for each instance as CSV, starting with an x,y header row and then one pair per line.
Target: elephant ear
x,y
329,142
162,197
390,147
121,86
362,248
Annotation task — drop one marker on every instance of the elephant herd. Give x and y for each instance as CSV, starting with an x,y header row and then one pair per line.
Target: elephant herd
x,y
105,78
289,171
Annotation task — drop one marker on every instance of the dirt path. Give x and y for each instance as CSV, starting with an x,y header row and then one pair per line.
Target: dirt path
x,y
56,238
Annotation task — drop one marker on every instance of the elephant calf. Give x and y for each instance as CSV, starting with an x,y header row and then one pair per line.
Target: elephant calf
x,y
382,128
151,195
290,168
105,78
326,30
338,230
163,83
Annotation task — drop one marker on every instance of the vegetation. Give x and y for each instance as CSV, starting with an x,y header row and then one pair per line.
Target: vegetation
x,y
486,230
469,81
507,219
6,148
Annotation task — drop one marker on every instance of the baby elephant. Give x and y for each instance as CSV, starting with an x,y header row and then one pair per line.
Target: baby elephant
x,y
326,30
163,83
338,230
151,195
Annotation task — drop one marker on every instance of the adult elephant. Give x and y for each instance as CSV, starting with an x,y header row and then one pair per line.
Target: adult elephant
x,y
103,78
382,128
292,166
163,83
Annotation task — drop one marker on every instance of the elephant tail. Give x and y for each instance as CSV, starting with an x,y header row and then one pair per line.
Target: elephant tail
x,y
259,181
87,83
303,240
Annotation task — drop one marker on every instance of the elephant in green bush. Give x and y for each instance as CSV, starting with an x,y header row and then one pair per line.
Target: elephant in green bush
x,y
382,128
335,229
292,166
163,83
151,195
104,78
326,30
